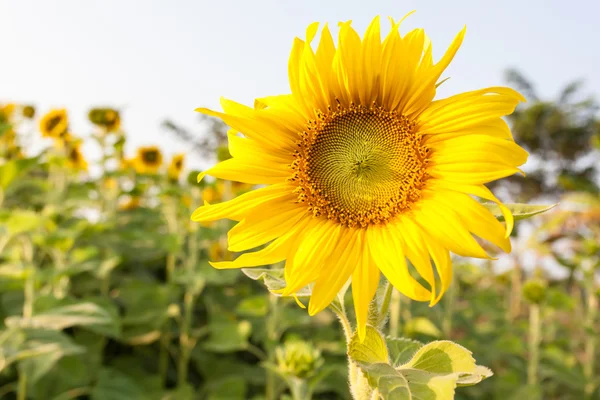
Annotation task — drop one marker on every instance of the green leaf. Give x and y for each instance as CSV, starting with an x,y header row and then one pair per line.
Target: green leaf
x,y
371,350
254,306
41,351
21,221
519,210
432,373
12,169
227,336
79,314
402,349
229,388
273,279
115,385
423,326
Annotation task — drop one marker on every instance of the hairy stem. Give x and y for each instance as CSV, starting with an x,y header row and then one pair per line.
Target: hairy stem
x,y
396,307
534,344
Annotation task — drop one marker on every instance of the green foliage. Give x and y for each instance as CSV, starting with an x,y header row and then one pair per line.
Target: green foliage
x,y
431,373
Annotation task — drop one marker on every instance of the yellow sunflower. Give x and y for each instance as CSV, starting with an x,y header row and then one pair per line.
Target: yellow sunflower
x,y
149,160
54,124
365,169
75,158
108,118
176,166
6,113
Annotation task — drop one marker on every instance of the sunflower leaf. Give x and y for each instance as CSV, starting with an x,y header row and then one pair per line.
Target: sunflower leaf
x,y
273,279
519,210
432,372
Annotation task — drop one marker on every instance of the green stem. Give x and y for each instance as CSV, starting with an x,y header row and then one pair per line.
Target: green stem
x,y
385,304
449,309
300,389
270,344
22,385
163,356
515,292
534,344
395,308
29,294
590,340
184,339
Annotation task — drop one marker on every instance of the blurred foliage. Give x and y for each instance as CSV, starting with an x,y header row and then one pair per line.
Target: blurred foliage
x,y
106,292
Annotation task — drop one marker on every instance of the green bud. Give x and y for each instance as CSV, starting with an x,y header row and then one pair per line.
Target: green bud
x,y
535,291
223,153
298,358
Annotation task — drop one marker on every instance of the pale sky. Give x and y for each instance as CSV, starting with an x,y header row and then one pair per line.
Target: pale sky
x,y
162,59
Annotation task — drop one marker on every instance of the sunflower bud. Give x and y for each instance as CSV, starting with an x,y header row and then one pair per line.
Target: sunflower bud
x,y
298,358
108,118
28,112
534,291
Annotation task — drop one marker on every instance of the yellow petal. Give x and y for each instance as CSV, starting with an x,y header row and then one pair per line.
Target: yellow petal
x,y
468,109
264,226
446,226
248,171
484,193
243,205
340,265
275,252
387,250
303,266
365,280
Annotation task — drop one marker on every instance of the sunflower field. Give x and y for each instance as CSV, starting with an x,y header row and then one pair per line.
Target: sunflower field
x,y
119,270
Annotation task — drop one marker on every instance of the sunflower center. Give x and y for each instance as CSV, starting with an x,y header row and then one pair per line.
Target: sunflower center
x,y
360,166
150,156
53,123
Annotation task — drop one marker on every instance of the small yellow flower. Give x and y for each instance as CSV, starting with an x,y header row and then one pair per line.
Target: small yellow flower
x,y
54,124
176,167
364,169
75,158
149,159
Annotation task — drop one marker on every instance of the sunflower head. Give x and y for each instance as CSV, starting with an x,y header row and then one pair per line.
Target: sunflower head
x,y
6,113
149,159
75,158
54,124
108,118
364,170
176,166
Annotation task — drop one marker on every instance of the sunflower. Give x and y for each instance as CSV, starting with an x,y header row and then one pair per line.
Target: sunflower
x,y
54,124
149,160
108,118
6,112
365,169
75,158
176,167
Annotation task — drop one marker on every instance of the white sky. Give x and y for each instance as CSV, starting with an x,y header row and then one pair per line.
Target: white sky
x,y
162,59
